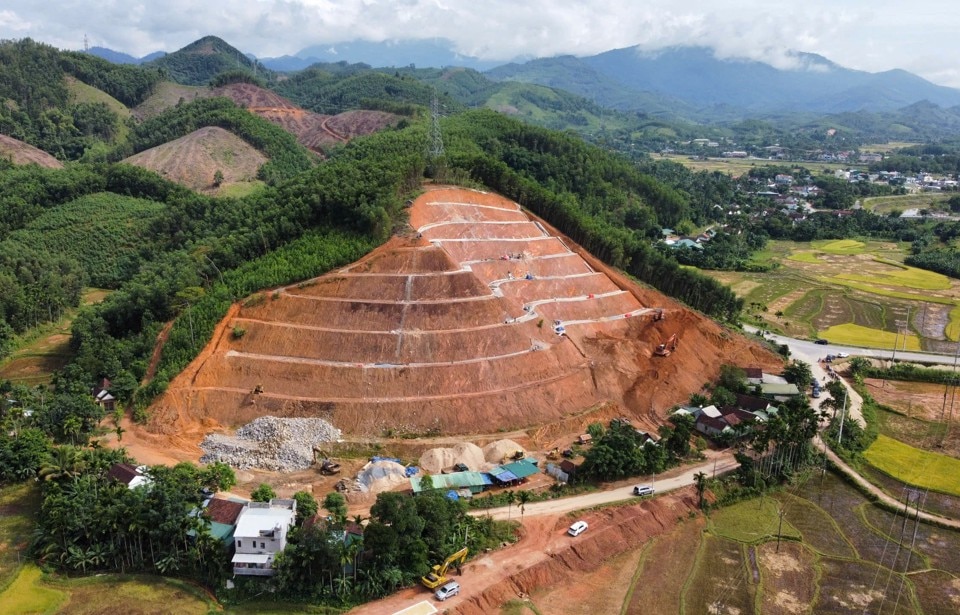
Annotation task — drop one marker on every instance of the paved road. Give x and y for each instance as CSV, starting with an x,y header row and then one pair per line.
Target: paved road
x,y
717,461
814,352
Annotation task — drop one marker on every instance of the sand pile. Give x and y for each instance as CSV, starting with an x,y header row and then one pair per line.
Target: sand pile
x,y
379,476
436,460
495,452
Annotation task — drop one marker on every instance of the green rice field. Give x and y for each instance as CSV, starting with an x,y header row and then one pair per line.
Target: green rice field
x,y
849,291
915,466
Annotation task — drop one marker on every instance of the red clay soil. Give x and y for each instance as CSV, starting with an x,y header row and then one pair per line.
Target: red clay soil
x,y
252,97
19,153
547,557
412,340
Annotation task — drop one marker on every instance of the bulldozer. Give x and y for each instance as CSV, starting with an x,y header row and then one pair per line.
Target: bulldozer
x,y
664,349
554,453
438,574
327,465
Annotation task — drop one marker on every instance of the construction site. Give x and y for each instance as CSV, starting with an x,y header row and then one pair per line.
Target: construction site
x,y
482,320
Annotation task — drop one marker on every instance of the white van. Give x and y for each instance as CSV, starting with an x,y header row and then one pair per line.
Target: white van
x,y
642,490
447,591
577,528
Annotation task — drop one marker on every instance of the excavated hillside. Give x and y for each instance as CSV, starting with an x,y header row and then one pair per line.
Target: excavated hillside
x,y
314,131
19,152
486,321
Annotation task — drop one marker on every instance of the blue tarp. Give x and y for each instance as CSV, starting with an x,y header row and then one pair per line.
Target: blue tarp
x,y
411,470
452,495
502,475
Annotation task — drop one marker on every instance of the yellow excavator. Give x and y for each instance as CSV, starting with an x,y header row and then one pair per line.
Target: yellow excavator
x,y
438,576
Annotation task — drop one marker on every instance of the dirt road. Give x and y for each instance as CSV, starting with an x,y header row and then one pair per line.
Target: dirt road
x,y
543,534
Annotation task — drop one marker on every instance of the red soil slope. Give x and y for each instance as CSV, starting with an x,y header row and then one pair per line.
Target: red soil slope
x,y
19,152
446,333
313,130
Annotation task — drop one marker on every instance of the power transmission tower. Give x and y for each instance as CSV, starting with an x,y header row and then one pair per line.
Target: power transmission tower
x,y
436,138
86,44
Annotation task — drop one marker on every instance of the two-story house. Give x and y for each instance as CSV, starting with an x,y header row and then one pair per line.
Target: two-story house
x,y
261,533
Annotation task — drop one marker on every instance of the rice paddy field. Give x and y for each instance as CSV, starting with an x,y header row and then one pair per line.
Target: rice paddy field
x,y
738,166
850,292
838,554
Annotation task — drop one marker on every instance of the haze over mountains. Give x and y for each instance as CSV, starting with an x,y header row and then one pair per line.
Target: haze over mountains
x,y
684,81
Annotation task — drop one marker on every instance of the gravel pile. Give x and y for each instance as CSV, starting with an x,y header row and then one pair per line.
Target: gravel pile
x,y
381,476
270,443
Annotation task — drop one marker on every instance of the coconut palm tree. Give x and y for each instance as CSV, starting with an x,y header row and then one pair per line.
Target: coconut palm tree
x,y
700,479
523,497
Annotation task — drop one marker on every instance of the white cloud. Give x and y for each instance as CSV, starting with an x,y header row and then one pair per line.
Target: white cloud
x,y
867,34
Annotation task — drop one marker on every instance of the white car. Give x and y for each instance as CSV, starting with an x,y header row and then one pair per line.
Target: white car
x,y
843,355
643,490
447,591
578,528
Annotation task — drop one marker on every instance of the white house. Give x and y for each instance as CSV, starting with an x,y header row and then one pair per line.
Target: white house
x,y
261,533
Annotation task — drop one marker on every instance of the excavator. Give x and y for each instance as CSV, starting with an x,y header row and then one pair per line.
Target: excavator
x,y
664,349
327,465
438,575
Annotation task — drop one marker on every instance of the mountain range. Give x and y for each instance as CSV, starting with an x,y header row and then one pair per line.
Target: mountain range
x,y
697,78
681,82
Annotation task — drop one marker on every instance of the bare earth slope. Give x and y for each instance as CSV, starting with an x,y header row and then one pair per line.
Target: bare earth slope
x,y
453,333
194,159
312,130
20,153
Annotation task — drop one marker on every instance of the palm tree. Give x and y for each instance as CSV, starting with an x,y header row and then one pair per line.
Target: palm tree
x,y
524,497
511,499
64,464
700,479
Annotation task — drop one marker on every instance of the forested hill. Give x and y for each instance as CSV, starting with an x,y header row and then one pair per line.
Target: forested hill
x,y
201,60
186,257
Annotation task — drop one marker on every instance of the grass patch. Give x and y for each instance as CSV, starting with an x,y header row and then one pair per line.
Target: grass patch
x,y
519,607
883,292
914,466
952,330
240,189
840,246
27,594
131,595
804,257
903,275
816,526
857,335
18,507
42,350
751,521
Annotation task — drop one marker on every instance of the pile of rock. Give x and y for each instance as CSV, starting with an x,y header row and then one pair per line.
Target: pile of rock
x,y
270,443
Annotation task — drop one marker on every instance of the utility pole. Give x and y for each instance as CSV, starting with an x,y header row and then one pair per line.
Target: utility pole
x,y
779,529
843,415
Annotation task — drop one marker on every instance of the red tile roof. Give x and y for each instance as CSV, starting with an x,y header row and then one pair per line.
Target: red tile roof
x,y
123,473
224,511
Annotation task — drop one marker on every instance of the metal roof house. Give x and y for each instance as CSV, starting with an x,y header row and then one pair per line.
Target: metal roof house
x,y
474,481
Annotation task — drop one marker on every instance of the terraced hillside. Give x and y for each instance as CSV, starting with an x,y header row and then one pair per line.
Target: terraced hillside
x,y
484,321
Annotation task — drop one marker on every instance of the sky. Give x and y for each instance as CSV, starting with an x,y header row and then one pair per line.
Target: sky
x,y
872,35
